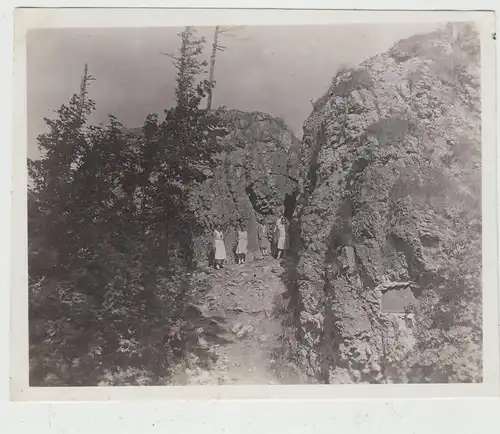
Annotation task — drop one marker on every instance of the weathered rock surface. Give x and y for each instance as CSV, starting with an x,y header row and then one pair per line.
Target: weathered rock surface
x,y
257,170
390,169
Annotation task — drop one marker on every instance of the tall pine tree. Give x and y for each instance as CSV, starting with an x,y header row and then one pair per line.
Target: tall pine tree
x,y
187,139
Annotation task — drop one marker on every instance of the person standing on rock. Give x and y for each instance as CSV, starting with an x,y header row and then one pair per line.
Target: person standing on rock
x,y
263,239
241,249
219,247
282,235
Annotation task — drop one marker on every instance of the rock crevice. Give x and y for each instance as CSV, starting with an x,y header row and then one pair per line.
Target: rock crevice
x,y
259,171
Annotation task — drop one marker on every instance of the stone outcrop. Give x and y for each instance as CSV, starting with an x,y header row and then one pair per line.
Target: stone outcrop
x,y
257,172
389,178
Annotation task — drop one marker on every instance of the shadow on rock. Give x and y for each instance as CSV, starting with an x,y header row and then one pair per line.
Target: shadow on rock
x,y
289,274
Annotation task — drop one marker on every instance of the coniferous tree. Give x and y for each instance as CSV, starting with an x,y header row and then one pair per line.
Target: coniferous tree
x,y
104,209
188,136
62,149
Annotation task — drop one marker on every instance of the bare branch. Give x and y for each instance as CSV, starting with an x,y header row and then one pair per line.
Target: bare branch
x,y
228,32
229,29
170,55
235,37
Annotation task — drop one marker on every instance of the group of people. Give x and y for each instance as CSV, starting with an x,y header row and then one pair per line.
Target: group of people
x,y
280,238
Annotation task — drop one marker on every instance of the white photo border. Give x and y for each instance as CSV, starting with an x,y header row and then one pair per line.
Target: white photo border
x,y
59,18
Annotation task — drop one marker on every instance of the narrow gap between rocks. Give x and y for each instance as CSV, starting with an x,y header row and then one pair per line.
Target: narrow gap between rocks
x,y
242,313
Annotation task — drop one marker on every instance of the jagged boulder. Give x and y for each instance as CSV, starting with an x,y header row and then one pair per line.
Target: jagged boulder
x,y
257,172
390,169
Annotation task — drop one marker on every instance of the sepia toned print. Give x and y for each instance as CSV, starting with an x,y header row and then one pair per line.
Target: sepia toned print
x,y
241,205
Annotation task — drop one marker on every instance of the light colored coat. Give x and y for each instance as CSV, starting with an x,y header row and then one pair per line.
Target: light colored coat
x,y
219,247
242,243
263,240
282,231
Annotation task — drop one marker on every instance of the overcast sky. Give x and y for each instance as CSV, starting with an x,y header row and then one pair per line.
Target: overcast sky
x,y
277,70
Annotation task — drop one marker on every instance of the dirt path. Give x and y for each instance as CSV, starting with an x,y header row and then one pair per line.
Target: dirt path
x,y
238,306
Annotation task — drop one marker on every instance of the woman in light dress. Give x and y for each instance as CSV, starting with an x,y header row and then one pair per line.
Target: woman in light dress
x,y
281,231
263,239
219,247
241,249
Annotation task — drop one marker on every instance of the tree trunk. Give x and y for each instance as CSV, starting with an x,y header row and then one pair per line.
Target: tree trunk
x,y
83,91
182,69
166,238
212,66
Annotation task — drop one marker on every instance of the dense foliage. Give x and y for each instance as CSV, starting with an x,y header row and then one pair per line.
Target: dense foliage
x,y
110,236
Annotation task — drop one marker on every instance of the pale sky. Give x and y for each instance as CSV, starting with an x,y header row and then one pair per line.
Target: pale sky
x,y
277,70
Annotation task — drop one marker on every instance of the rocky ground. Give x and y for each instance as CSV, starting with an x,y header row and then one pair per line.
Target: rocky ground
x,y
243,327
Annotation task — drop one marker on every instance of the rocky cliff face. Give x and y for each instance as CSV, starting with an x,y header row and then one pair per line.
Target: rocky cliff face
x,y
257,174
390,170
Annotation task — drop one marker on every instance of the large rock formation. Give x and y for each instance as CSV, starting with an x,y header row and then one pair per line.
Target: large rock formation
x,y
389,181
257,174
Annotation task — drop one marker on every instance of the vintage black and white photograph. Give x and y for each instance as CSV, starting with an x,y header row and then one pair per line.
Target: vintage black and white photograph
x,y
255,205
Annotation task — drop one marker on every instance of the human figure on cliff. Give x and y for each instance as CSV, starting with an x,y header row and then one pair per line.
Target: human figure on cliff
x,y
281,232
263,237
241,249
219,247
